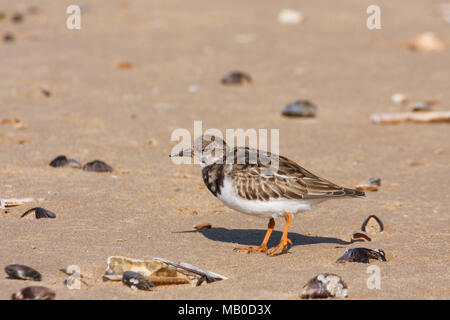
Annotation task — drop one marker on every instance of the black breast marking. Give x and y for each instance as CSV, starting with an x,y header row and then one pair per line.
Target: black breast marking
x,y
213,177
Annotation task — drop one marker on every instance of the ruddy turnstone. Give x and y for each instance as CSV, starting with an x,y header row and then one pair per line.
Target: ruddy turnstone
x,y
262,184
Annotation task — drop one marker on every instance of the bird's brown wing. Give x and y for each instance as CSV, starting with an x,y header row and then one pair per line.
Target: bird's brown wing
x,y
255,178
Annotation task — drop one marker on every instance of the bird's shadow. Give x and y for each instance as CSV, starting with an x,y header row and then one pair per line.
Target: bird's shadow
x,y
252,237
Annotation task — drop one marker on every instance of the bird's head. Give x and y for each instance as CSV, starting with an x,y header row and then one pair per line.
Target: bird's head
x,y
206,149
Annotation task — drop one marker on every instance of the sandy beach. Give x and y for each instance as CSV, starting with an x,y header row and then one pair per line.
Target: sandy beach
x,y
138,70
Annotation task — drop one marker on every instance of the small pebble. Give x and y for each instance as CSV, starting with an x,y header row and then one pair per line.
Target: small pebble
x,y
2,15
374,181
289,16
236,77
40,213
97,166
8,37
399,98
421,106
300,108
362,255
46,93
426,42
137,281
34,293
124,65
19,271
324,286
17,18
62,161
416,163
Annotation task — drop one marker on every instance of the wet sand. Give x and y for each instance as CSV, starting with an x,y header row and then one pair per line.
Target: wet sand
x,y
148,206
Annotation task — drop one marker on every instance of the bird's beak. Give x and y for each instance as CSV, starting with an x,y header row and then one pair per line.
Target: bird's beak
x,y
184,153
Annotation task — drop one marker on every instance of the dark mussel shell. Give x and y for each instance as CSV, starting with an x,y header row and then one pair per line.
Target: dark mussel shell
x,y
300,108
137,281
97,166
62,161
19,271
34,293
361,255
236,77
324,286
40,213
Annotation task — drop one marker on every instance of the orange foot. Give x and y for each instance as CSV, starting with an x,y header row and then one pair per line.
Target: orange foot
x,y
282,246
252,249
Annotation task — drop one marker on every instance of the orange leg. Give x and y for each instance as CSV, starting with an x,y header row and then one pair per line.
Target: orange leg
x,y
263,246
284,239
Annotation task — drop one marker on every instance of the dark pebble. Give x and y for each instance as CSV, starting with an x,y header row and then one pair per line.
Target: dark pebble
x,y
17,18
34,293
300,108
97,166
62,161
46,93
8,37
18,271
375,181
361,255
236,77
40,213
137,281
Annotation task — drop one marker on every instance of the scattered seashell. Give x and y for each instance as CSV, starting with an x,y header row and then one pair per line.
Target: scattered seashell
x,y
289,16
62,161
17,17
10,121
366,187
97,166
136,281
324,286
374,181
378,228
399,98
362,255
416,163
19,271
195,271
391,118
421,106
14,202
206,225
236,77
40,213
34,293
117,265
358,235
8,37
426,42
124,65
300,108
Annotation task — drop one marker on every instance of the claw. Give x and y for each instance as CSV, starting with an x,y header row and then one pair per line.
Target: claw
x,y
251,249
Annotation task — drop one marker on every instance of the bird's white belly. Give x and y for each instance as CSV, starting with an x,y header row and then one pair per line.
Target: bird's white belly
x,y
270,208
